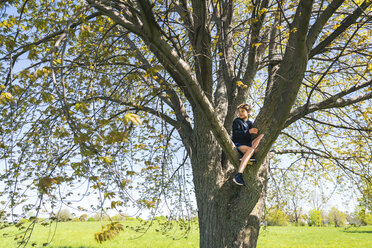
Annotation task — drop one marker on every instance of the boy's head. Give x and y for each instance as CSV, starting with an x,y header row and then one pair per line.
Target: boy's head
x,y
243,110
244,106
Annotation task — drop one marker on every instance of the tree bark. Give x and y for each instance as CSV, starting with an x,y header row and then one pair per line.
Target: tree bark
x,y
229,215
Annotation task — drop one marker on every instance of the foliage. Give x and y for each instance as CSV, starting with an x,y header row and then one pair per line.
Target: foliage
x,y
314,218
64,215
83,217
363,215
108,232
276,217
119,217
118,97
366,189
336,217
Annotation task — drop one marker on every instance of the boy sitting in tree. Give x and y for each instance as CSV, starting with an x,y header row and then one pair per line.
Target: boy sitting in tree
x,y
242,130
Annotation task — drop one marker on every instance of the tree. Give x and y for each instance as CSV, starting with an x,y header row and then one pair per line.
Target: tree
x,y
363,216
276,217
314,218
83,217
366,189
64,215
336,217
184,67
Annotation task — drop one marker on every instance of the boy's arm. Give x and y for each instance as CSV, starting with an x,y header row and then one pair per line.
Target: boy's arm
x,y
252,130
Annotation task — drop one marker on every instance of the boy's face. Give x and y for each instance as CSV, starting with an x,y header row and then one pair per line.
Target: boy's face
x,y
243,114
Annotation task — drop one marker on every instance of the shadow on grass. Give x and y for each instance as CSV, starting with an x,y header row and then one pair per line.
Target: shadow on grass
x,y
357,231
74,246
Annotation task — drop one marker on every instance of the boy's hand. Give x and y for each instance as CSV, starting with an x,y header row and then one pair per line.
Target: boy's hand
x,y
253,131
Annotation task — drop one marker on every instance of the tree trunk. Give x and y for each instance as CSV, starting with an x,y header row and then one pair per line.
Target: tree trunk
x,y
229,215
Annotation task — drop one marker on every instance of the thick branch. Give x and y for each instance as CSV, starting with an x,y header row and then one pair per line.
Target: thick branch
x,y
136,28
282,95
321,21
222,15
335,101
339,126
347,22
182,74
202,45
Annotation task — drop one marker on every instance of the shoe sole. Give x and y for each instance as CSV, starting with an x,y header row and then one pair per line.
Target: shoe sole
x,y
252,161
240,184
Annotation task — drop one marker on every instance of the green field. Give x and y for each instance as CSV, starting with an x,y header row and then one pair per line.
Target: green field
x,y
81,235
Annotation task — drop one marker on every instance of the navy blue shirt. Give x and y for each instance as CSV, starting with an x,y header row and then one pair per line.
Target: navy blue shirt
x,y
240,132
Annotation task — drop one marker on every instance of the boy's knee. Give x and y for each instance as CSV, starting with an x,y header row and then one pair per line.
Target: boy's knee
x,y
250,149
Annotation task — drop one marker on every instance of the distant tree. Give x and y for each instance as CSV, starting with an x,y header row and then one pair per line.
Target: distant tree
x,y
119,217
364,216
276,217
315,218
366,193
288,191
91,219
83,217
101,216
64,215
76,219
336,217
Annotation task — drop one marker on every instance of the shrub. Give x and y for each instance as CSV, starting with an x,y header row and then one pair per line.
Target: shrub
x,y
315,218
364,216
276,217
368,219
83,217
302,223
76,219
103,217
336,217
119,217
64,215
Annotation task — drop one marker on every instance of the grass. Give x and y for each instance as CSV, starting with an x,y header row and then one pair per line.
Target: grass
x,y
81,235
311,237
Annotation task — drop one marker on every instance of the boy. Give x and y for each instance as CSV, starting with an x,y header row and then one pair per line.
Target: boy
x,y
242,131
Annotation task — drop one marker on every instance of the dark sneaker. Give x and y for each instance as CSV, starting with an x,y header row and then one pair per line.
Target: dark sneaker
x,y
238,179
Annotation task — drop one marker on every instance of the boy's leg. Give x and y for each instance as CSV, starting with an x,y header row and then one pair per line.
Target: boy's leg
x,y
248,152
256,141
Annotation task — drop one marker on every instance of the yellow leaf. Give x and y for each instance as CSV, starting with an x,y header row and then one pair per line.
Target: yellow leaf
x,y
106,160
57,61
6,97
239,83
133,118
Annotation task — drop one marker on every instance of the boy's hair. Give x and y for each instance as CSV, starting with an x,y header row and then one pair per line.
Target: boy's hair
x,y
244,106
